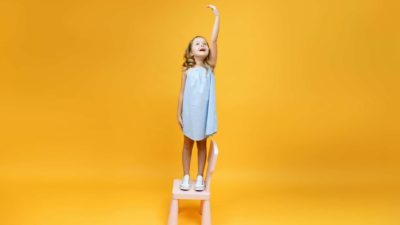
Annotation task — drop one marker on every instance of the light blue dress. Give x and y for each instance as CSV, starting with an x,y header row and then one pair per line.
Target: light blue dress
x,y
199,114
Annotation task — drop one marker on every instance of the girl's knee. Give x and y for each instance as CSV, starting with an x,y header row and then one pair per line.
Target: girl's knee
x,y
201,145
187,150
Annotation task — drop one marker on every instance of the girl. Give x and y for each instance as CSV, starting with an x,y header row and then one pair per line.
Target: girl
x,y
197,116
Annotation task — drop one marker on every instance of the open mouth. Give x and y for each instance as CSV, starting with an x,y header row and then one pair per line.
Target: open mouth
x,y
202,50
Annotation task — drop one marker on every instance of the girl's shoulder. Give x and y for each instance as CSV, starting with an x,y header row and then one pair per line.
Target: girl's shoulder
x,y
185,71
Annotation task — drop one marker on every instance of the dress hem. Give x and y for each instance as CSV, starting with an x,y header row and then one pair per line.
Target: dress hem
x,y
206,136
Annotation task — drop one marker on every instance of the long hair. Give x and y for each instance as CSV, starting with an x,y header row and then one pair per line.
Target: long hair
x,y
189,60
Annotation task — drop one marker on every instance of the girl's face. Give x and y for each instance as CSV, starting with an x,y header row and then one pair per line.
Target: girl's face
x,y
200,47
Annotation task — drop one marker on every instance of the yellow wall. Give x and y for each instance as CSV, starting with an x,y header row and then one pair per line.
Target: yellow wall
x,y
307,91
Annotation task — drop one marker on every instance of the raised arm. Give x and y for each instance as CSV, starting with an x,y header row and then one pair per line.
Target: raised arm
x,y
214,36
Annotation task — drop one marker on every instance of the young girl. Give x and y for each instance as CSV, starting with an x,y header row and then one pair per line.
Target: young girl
x,y
197,116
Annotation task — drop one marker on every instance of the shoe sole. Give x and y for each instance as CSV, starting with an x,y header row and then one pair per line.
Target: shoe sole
x,y
184,188
199,188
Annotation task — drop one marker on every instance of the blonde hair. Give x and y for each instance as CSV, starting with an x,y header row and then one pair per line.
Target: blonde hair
x,y
189,60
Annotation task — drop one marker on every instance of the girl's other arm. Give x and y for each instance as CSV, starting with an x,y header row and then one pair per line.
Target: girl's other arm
x,y
214,36
181,99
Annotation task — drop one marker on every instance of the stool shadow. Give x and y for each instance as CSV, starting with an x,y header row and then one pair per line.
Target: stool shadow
x,y
190,212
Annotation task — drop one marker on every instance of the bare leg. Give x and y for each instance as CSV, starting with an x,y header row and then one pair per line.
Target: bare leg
x,y
187,154
202,155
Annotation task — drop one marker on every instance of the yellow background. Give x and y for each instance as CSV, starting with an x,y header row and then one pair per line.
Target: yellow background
x,y
307,103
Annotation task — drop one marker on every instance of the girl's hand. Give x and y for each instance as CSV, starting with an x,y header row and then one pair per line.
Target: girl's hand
x,y
180,122
214,9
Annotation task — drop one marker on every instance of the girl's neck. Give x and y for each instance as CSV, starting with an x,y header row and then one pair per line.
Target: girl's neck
x,y
199,62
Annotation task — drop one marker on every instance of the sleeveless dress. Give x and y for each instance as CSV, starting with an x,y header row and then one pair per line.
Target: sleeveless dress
x,y
199,116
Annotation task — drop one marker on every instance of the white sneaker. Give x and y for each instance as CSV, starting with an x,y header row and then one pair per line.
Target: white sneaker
x,y
185,183
199,183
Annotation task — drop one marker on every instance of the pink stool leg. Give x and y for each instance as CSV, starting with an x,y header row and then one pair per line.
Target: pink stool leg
x,y
173,212
206,216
